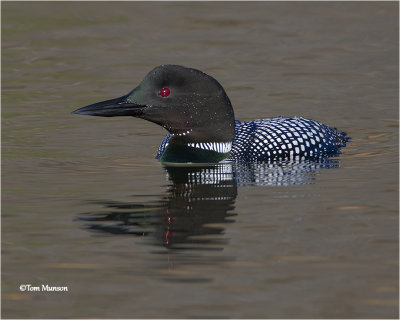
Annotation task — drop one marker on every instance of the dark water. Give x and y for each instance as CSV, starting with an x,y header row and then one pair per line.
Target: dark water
x,y
85,204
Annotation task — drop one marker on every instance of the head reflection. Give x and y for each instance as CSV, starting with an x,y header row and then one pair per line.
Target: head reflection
x,y
190,216
199,201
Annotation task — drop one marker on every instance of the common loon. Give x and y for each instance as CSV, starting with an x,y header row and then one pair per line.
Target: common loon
x,y
198,115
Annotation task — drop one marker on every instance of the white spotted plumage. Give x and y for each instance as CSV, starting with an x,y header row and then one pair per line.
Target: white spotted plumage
x,y
269,139
284,138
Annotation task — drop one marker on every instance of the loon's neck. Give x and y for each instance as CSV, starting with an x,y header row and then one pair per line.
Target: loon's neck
x,y
179,149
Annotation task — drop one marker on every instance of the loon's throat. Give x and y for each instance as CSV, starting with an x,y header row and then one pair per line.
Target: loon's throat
x,y
176,150
193,140
220,147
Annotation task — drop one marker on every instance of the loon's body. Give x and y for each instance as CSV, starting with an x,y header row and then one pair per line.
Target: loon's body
x,y
196,111
278,138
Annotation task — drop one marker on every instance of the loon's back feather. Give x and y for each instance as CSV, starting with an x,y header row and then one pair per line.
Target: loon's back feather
x,y
290,138
277,138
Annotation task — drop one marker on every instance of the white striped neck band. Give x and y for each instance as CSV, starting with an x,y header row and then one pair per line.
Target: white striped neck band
x,y
221,147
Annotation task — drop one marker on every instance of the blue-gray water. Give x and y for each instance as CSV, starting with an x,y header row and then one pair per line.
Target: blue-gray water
x,y
85,204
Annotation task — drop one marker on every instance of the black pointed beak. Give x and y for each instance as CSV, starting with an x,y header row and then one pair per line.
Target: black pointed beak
x,y
112,108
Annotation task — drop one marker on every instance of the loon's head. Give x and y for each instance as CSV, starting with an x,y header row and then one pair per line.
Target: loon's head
x,y
190,104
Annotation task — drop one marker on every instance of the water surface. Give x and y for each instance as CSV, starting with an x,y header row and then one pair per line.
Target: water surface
x,y
85,204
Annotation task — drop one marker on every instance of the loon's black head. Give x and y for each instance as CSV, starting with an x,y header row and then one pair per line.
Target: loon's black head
x,y
190,104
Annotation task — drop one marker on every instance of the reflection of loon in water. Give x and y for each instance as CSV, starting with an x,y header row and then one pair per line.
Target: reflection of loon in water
x,y
199,200
196,197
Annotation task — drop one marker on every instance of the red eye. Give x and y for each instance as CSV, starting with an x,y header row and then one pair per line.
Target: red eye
x,y
164,92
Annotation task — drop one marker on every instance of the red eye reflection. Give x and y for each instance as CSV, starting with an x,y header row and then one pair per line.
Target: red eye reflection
x,y
164,92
